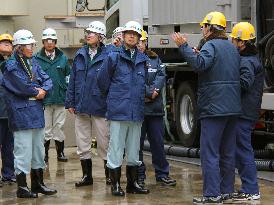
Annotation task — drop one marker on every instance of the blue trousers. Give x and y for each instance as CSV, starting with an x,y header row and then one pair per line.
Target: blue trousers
x,y
6,142
245,157
218,142
153,129
124,135
29,150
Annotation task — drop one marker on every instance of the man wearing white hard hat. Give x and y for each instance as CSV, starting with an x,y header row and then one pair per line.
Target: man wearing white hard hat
x,y
117,36
26,85
55,63
84,99
122,79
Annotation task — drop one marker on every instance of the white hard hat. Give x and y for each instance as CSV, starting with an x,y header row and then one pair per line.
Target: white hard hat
x,y
49,33
97,27
133,26
118,30
23,37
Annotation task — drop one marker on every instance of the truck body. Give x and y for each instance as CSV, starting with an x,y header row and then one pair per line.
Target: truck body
x,y
161,18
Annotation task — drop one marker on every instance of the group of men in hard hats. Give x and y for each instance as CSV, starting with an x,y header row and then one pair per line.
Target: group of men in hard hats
x,y
37,94
114,91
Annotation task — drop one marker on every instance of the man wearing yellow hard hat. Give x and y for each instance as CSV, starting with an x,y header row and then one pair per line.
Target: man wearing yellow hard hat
x,y
6,137
219,105
153,124
252,81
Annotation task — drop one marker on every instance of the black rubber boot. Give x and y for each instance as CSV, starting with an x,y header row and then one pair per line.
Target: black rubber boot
x,y
60,151
46,144
132,184
23,190
87,173
37,183
115,175
108,180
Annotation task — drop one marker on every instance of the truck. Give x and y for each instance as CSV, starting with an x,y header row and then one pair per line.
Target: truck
x,y
161,18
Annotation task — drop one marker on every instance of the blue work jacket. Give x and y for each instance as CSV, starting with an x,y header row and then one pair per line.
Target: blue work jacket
x,y
155,80
24,112
122,79
217,65
252,83
83,93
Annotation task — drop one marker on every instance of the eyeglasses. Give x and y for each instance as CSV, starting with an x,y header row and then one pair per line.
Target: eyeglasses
x,y
30,46
50,41
90,34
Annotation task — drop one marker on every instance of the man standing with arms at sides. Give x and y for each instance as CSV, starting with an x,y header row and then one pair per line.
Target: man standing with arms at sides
x,y
54,62
122,79
84,99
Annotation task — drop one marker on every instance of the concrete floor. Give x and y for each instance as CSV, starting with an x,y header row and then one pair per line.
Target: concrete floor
x,y
62,176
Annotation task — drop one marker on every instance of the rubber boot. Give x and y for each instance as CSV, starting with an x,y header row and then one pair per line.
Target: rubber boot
x,y
115,176
60,151
87,173
37,183
108,180
23,190
132,184
46,145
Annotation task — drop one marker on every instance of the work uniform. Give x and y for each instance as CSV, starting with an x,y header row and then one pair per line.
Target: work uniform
x,y
57,68
25,113
153,125
219,105
90,105
6,136
56,65
122,79
252,81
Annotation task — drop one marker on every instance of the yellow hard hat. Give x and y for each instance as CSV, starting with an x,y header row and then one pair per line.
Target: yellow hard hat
x,y
6,37
144,35
243,31
214,18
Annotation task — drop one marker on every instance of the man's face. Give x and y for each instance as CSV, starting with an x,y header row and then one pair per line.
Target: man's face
x,y
28,50
142,46
238,43
5,48
92,38
49,44
131,38
205,30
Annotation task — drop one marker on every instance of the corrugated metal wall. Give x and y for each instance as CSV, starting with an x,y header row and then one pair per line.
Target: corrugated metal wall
x,y
163,12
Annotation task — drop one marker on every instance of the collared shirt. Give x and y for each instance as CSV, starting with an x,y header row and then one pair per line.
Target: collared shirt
x,y
131,53
51,56
92,52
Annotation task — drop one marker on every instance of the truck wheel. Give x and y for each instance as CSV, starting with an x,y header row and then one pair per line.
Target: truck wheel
x,y
186,119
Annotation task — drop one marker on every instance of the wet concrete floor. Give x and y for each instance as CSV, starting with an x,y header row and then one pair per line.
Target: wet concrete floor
x,y
62,177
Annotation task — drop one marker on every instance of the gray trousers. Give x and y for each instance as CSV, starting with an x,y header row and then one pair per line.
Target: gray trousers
x,y
124,136
55,116
85,127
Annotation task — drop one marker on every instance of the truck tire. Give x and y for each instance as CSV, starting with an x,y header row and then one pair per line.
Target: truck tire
x,y
186,115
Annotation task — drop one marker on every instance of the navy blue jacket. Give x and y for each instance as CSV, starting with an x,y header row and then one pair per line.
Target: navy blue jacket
x,y
3,109
83,93
155,80
23,111
122,79
252,82
219,90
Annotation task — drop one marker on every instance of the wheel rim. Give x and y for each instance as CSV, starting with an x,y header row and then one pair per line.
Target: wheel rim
x,y
186,114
